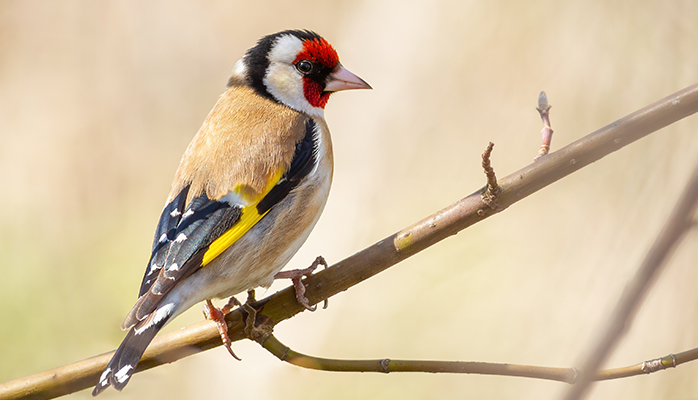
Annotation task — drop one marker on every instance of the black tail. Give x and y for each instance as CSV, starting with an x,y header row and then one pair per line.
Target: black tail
x,y
126,357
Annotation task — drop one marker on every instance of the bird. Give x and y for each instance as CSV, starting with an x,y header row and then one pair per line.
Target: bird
x,y
249,189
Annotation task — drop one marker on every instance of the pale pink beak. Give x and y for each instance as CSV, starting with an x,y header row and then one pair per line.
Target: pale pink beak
x,y
342,79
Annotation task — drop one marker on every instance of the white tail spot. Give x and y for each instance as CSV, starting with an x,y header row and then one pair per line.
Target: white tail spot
x,y
160,314
122,374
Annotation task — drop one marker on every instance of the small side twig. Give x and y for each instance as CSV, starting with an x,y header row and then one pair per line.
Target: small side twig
x,y
491,193
547,132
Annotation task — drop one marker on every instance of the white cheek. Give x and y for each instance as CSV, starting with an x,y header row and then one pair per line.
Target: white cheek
x,y
284,83
282,79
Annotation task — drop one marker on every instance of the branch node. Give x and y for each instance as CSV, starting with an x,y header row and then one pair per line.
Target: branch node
x,y
284,355
385,364
658,364
491,193
547,132
575,371
652,366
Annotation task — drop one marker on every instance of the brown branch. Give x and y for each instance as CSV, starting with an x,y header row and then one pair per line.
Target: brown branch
x,y
679,222
380,256
386,365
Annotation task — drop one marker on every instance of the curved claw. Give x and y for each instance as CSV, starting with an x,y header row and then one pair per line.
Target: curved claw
x,y
217,315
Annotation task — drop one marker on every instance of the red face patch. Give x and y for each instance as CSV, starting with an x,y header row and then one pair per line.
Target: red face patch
x,y
314,94
319,51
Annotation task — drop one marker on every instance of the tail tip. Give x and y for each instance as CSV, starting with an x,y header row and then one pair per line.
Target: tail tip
x,y
117,379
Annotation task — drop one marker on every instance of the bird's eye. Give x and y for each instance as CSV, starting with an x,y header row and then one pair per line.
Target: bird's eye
x,y
304,66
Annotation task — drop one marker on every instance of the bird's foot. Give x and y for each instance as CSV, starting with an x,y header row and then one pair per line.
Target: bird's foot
x,y
295,275
217,315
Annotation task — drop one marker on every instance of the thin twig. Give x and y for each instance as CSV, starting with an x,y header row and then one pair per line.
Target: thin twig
x,y
621,318
378,257
386,365
547,132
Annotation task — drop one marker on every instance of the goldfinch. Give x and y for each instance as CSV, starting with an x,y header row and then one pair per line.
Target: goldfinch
x,y
249,188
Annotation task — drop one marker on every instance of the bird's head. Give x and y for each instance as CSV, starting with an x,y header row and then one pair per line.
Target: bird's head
x,y
297,68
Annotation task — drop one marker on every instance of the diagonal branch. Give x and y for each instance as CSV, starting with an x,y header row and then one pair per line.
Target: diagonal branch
x,y
678,223
380,256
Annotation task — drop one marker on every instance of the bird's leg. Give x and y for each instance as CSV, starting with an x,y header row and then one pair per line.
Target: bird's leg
x,y
295,275
251,313
259,333
217,315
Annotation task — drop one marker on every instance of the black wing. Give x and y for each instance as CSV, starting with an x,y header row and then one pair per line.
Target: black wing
x,y
184,235
178,250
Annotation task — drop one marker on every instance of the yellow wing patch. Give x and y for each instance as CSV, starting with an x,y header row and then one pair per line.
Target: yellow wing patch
x,y
248,218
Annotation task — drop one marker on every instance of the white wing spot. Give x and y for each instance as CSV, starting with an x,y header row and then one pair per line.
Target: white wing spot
x,y
122,374
153,267
163,238
175,213
188,213
173,267
180,238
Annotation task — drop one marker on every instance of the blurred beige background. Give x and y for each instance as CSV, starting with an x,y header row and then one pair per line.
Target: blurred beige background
x,y
98,100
